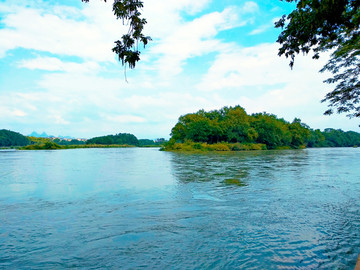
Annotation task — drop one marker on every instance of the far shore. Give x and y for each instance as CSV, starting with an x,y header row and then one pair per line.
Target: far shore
x,y
54,146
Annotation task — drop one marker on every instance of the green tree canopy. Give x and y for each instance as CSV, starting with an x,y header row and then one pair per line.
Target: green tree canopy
x,y
120,139
127,49
327,25
234,125
316,139
11,138
271,131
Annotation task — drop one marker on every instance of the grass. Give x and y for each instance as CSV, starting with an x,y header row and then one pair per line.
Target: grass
x,y
55,146
190,146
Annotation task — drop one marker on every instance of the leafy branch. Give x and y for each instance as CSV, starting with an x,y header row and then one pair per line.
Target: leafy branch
x,y
127,48
320,26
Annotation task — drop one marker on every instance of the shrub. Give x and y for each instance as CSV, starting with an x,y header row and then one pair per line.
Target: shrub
x,y
220,147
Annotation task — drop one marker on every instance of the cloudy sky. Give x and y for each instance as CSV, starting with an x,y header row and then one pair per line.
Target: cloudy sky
x,y
59,75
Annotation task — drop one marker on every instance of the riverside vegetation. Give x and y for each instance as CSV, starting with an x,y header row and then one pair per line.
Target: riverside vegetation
x,y
11,139
232,129
227,129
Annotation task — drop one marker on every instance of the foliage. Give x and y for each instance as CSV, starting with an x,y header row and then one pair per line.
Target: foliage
x,y
231,129
121,139
53,146
127,49
38,140
11,138
43,146
271,131
345,65
151,143
68,142
227,124
300,133
327,25
247,146
316,139
234,125
191,146
339,138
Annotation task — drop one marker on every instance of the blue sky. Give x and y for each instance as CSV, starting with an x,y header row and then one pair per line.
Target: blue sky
x,y
59,75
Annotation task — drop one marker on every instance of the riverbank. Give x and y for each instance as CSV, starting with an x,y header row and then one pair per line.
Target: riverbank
x,y
190,146
54,146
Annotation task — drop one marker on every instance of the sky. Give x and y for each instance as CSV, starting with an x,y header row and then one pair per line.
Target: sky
x,y
58,74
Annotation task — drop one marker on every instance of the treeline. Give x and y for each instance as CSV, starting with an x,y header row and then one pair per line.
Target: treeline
x,y
125,139
10,138
234,125
151,143
68,142
119,139
43,140
339,138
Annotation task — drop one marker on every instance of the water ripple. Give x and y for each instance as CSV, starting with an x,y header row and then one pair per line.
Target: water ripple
x,y
141,208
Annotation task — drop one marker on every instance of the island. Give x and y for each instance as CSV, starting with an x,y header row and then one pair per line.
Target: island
x,y
232,129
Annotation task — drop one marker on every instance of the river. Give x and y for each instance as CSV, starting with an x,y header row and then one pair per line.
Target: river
x,y
132,208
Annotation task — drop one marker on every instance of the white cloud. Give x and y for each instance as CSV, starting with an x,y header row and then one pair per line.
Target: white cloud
x,y
58,33
55,64
250,7
196,38
8,112
90,97
125,119
260,29
14,108
164,17
19,113
259,80
258,65
57,119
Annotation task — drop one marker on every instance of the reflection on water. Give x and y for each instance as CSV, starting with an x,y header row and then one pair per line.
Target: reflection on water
x,y
142,208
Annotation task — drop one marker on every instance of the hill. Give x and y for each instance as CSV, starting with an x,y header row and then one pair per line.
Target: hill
x,y
119,139
11,138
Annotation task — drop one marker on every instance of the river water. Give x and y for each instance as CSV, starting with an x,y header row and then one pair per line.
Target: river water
x,y
135,208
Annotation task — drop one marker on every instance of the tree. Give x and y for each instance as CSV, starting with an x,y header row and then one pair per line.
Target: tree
x,y
11,138
127,48
327,25
271,131
196,127
300,133
316,139
237,126
119,139
234,125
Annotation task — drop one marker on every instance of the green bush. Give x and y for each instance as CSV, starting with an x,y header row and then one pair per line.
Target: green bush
x,y
197,146
45,146
219,147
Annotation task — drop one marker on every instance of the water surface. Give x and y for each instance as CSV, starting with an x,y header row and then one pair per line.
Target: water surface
x,y
142,208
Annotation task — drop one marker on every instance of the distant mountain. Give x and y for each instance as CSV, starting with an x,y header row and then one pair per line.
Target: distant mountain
x,y
65,137
44,135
